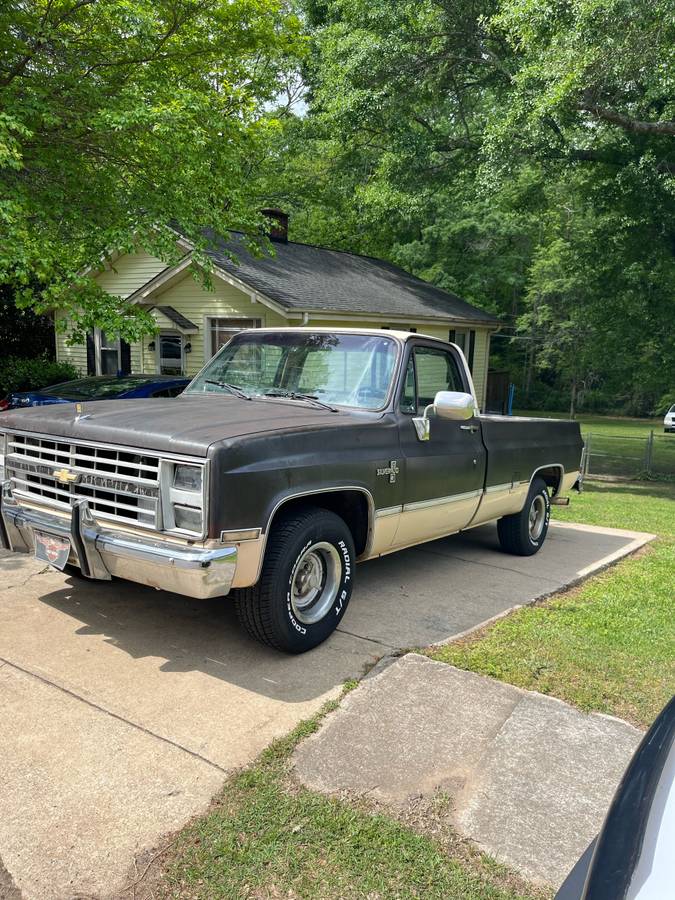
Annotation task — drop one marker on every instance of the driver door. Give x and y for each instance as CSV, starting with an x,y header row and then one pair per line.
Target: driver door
x,y
444,476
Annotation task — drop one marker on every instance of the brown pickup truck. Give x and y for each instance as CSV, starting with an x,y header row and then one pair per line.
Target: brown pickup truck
x,y
294,454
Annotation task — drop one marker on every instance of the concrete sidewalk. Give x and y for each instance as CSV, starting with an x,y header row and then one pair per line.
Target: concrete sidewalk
x,y
123,709
530,778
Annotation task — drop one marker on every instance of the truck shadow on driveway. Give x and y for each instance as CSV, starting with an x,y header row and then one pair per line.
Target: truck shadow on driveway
x,y
163,634
410,599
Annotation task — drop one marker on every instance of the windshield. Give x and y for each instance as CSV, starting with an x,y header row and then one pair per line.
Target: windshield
x,y
342,369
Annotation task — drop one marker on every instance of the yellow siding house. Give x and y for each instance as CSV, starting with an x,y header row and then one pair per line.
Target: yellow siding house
x,y
299,285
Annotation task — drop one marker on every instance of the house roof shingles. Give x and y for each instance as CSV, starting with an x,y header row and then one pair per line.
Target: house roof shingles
x,y
177,318
305,277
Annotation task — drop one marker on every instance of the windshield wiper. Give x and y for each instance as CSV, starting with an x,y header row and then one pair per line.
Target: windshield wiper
x,y
294,395
232,388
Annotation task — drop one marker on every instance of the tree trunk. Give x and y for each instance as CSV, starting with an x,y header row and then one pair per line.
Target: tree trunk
x,y
529,364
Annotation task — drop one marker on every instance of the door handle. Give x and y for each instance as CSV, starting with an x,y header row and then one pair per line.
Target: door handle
x,y
471,428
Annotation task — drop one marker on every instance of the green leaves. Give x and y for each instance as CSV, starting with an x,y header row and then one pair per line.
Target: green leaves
x,y
519,153
504,150
591,75
120,117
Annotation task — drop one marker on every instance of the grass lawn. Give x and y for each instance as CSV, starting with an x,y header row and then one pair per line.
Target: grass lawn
x,y
266,837
608,645
638,506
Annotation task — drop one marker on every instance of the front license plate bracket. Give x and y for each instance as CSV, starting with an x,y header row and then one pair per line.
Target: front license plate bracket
x,y
52,549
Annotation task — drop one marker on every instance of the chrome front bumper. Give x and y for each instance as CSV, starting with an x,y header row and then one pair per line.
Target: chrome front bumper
x,y
194,571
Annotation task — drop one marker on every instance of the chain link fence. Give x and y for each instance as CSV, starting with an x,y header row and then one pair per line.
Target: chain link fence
x,y
633,457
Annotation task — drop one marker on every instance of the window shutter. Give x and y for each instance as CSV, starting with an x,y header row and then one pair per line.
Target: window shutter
x,y
472,346
451,336
125,357
91,354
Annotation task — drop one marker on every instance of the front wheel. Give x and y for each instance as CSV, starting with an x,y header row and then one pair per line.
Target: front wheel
x,y
524,533
305,584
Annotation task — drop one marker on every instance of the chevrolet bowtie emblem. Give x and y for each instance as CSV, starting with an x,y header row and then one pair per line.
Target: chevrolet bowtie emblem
x,y
65,476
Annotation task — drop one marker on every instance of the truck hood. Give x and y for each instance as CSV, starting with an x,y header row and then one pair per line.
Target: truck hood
x,y
184,425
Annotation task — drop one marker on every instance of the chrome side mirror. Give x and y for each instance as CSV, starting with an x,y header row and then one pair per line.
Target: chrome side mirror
x,y
454,405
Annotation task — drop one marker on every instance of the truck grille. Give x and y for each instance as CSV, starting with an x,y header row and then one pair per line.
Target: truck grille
x,y
119,485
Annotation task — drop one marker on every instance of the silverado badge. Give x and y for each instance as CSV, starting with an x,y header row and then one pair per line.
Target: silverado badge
x,y
391,470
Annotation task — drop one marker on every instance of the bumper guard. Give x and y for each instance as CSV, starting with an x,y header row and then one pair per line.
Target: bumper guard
x,y
194,571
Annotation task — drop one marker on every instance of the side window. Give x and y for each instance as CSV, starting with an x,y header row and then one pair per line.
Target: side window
x,y
436,370
168,392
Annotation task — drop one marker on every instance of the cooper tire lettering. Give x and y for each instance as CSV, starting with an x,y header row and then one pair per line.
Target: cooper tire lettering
x,y
306,574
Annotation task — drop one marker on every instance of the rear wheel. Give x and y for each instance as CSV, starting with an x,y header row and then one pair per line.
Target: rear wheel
x,y
524,533
305,584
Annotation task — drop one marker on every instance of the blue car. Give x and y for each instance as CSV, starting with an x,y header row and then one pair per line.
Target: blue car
x,y
101,387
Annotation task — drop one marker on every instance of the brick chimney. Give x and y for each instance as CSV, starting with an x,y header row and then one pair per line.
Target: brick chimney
x,y
278,225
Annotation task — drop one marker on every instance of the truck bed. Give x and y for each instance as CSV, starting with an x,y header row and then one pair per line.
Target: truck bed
x,y
517,446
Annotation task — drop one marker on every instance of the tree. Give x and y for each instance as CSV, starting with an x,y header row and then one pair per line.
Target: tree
x,y
23,332
600,286
118,118
591,82
519,153
442,80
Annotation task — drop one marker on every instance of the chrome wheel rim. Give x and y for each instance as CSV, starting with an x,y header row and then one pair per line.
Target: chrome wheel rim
x,y
315,582
537,517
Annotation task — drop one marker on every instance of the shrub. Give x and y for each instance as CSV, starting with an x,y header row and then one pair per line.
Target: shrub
x,y
24,333
18,374
542,396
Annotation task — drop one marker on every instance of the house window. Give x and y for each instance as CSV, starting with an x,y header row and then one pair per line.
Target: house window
x,y
221,330
109,359
465,339
459,336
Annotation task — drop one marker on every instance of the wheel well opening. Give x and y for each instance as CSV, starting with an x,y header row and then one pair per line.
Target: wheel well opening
x,y
552,475
352,506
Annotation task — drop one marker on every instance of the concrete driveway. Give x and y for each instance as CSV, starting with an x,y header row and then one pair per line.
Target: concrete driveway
x,y
122,709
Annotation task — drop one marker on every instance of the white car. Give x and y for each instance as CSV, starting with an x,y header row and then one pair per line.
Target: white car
x,y
669,419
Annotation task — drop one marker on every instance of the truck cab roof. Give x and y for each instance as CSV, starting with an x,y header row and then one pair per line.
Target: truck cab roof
x,y
396,333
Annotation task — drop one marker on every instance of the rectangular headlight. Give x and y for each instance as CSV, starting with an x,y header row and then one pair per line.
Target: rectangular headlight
x,y
188,518
187,478
183,492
